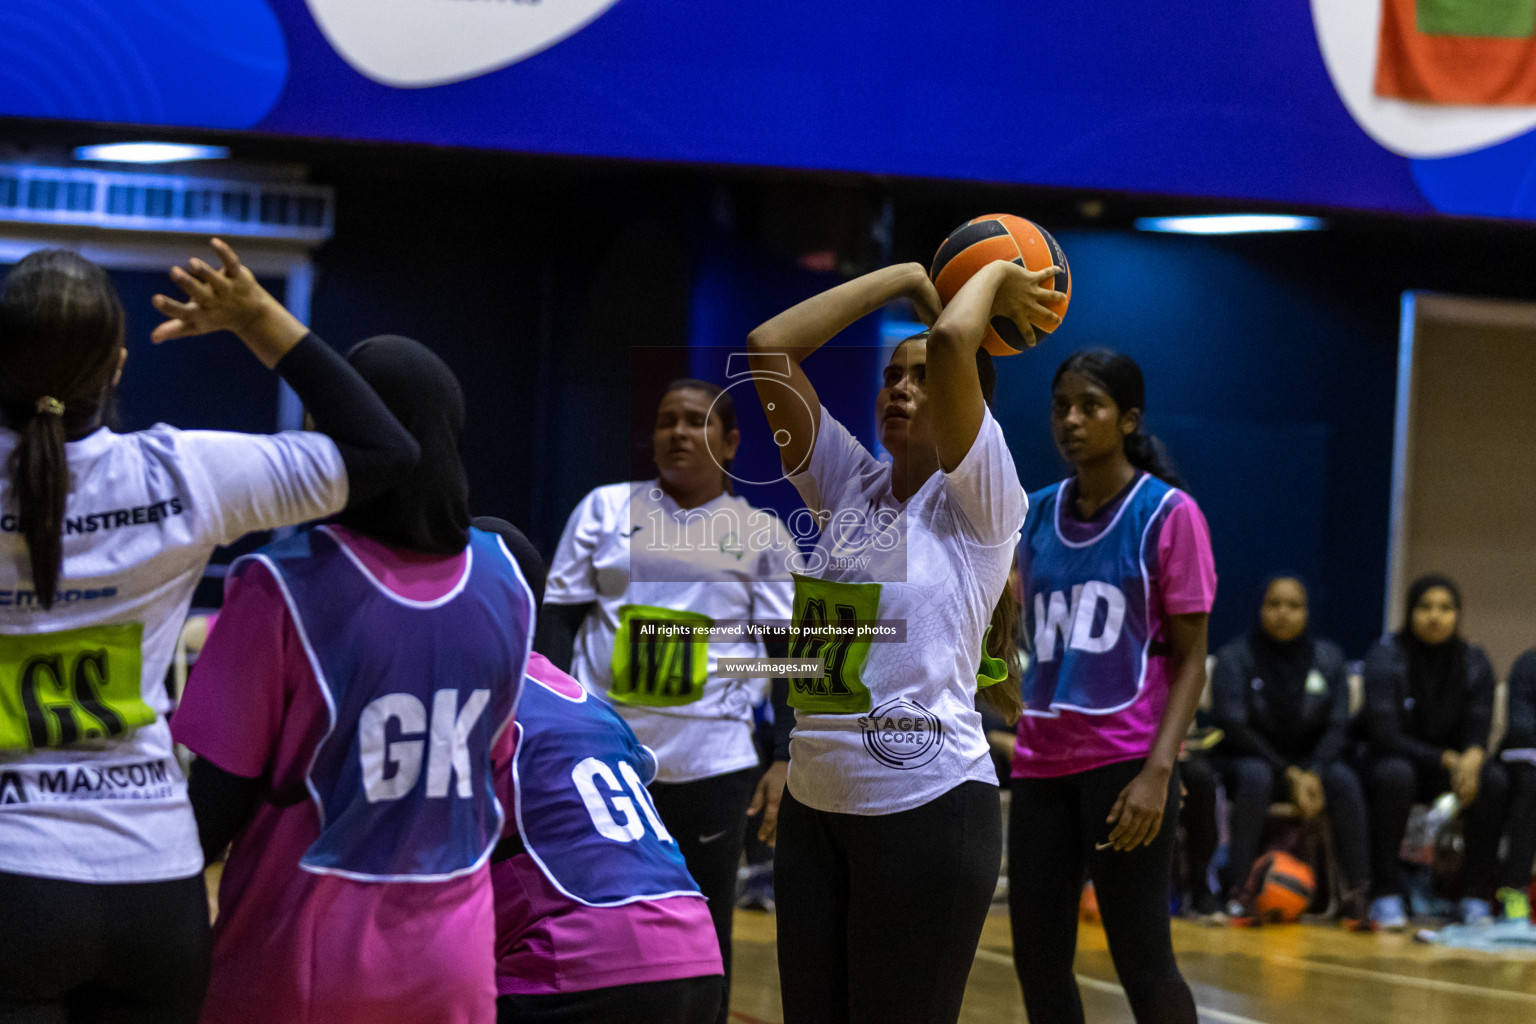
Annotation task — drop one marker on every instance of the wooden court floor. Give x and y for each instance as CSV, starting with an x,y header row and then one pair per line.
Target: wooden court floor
x,y
1296,974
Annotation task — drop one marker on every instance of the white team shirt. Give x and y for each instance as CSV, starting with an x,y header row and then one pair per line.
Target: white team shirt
x,y
631,544
922,735
145,510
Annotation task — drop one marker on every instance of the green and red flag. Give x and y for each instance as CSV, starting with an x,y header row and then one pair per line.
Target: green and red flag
x,y
1470,52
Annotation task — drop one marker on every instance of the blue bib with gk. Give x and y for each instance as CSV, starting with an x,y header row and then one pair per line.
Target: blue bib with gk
x,y
1086,604
582,808
418,692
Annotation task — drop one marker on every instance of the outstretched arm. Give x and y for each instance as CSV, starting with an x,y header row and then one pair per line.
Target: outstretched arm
x,y
228,299
376,450
778,346
954,390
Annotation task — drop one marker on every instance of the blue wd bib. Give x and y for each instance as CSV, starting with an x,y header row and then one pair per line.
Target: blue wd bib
x,y
1086,604
418,692
582,808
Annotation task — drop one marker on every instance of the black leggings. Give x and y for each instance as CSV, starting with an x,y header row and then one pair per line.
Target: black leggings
x,y
683,1001
879,915
1253,784
1198,816
1520,825
131,953
1053,825
708,818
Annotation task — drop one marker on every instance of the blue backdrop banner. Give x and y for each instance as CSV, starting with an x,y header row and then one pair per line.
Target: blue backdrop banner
x,y
1276,100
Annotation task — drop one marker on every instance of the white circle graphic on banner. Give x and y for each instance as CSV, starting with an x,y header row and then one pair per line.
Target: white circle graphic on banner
x,y
417,43
1349,34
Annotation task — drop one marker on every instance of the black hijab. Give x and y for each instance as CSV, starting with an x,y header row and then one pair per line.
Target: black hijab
x,y
429,510
1283,665
1437,673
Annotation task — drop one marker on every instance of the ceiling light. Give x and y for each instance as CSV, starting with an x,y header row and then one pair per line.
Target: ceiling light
x,y
150,152
1229,223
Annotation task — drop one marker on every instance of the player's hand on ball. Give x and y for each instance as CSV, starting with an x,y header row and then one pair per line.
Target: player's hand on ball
x,y
1023,299
979,248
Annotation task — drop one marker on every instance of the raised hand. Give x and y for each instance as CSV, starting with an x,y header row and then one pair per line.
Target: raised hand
x,y
228,298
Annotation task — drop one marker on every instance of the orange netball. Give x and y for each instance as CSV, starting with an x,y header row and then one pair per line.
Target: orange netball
x,y
999,236
1286,890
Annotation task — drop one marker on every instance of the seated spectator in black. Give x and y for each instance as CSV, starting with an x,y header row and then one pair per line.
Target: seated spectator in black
x,y
1518,755
1428,711
1281,696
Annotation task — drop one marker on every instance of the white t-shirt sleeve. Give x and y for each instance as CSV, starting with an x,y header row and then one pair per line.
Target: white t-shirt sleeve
x,y
773,589
572,578
263,481
838,464
985,487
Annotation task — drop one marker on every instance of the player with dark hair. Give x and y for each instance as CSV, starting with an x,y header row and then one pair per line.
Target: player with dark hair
x,y
346,711
643,574
1281,697
1428,713
1119,582
597,918
105,537
889,832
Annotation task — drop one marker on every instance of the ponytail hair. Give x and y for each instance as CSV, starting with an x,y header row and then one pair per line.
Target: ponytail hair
x,y
61,326
1147,453
1119,376
40,475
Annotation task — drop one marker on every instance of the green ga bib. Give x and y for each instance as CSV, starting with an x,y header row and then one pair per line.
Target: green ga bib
x,y
59,688
660,656
820,606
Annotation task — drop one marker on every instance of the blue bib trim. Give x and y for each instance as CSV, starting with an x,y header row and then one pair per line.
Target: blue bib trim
x,y
582,808
1087,604
418,693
